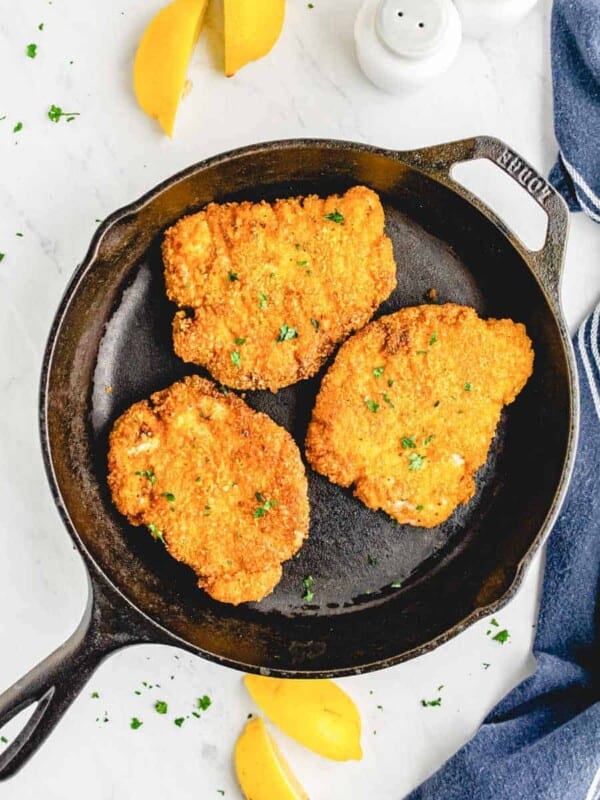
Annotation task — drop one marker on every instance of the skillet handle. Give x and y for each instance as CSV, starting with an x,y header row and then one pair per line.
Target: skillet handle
x,y
547,263
55,683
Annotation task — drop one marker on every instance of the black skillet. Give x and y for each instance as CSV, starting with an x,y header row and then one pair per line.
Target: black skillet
x,y
110,345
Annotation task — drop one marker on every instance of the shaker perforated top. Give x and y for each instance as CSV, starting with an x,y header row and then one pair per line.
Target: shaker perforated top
x,y
413,28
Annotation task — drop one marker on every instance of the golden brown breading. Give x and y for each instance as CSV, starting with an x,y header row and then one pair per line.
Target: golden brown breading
x,y
221,484
410,406
274,287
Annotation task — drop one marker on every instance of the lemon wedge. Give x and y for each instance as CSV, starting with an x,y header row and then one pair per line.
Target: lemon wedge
x,y
162,58
262,771
317,713
252,28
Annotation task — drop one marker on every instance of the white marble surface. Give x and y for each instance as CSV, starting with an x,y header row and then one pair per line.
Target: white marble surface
x,y
55,181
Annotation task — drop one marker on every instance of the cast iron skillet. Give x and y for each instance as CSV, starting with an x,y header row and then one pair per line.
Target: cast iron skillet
x,y
113,330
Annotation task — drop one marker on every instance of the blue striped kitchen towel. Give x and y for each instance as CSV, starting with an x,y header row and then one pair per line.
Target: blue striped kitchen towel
x,y
542,742
576,78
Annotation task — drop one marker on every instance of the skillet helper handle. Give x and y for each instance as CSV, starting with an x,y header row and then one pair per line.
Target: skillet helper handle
x,y
55,683
547,262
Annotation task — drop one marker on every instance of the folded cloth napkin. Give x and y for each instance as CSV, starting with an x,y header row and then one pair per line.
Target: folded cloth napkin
x,y
576,78
542,742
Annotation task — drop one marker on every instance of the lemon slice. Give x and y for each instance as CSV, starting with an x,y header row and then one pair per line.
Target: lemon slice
x,y
252,28
162,58
317,713
262,771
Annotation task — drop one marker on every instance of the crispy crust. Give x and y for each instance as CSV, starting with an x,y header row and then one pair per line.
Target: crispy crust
x,y
244,270
412,447
158,450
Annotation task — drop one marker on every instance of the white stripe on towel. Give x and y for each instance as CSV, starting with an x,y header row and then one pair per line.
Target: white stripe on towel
x,y
588,368
580,181
594,790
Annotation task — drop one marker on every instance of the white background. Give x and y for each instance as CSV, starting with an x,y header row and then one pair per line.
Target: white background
x,y
55,182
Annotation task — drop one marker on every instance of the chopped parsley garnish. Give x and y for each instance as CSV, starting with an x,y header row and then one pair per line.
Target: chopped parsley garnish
x,y
18,127
388,401
240,341
169,496
420,508
390,382
206,511
468,387
31,50
396,585
41,26
302,263
372,561
494,622
415,462
20,235
161,707
432,703
421,352
380,708
95,695
222,389
147,473
204,702
156,533
221,792
235,358
311,5
286,333
433,339
502,636
315,323
233,276
1,256
179,721
195,714
136,723
137,691
263,300
3,739
335,216
408,442
307,585
55,113
266,505
429,439
486,665
378,372
372,405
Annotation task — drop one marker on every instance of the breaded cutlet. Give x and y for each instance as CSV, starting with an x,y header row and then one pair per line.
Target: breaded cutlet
x,y
408,410
221,485
267,290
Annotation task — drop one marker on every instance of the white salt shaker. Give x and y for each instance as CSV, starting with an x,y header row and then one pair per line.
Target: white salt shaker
x,y
481,18
402,44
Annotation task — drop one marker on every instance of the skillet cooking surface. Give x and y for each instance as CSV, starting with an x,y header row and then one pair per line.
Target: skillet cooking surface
x,y
120,338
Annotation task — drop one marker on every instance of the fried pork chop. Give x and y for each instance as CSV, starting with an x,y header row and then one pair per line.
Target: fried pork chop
x,y
270,289
221,485
408,410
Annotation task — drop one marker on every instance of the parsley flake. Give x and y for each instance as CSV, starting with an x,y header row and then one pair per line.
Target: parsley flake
x,y
263,300
31,50
415,462
372,405
95,695
502,636
432,703
433,339
18,127
390,382
161,707
266,505
286,334
235,358
335,216
233,276
468,387
378,372
307,585
3,739
1,256
429,439
486,665
311,5
41,26
169,496
221,792
179,721
302,263
421,352
156,533
315,323
147,473
419,508
239,341
372,562
387,400
408,442
494,622
396,585
135,723
204,702
55,113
